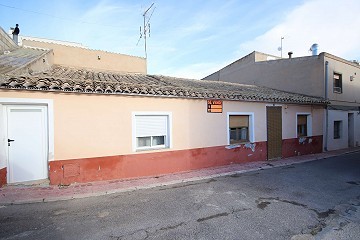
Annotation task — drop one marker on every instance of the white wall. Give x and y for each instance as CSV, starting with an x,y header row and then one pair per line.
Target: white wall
x,y
342,142
357,129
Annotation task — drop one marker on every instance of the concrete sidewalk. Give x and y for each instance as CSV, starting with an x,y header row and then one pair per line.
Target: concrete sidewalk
x,y
29,194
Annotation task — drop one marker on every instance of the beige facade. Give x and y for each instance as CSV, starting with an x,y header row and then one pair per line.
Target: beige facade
x,y
84,58
299,75
350,72
96,130
310,75
90,125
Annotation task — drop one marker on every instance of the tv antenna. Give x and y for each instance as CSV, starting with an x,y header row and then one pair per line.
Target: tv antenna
x,y
145,32
281,47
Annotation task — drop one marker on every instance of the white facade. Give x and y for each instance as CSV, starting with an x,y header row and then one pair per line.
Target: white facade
x,y
349,129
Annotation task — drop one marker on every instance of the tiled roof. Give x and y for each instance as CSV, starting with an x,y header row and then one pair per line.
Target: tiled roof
x,y
65,79
18,58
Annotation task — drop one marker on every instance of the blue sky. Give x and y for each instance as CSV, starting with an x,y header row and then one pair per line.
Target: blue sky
x,y
193,38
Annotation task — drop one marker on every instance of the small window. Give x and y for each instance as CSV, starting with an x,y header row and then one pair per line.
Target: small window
x,y
337,129
151,131
302,126
337,83
239,128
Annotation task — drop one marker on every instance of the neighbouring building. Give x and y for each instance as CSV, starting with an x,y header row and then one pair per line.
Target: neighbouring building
x,y
76,55
77,124
323,75
6,42
73,54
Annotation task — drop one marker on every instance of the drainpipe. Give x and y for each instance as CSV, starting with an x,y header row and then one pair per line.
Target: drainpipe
x,y
326,110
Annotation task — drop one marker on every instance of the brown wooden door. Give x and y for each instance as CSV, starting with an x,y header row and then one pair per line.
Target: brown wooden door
x,y
274,132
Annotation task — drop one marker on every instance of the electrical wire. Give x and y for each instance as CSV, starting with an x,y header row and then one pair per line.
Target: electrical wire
x,y
61,18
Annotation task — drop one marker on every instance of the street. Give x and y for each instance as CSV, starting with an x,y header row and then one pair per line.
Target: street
x,y
313,200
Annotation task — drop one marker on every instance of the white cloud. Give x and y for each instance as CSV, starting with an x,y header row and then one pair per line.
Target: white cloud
x,y
331,24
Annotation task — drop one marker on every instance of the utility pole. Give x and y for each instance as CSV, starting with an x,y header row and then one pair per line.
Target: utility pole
x,y
146,27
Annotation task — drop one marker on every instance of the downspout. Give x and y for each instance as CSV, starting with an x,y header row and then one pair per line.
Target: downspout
x,y
326,110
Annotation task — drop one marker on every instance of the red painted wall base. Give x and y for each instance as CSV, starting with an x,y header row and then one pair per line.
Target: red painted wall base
x,y
302,146
3,177
157,163
151,164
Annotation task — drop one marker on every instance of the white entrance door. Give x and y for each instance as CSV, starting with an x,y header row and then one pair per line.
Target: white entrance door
x,y
27,143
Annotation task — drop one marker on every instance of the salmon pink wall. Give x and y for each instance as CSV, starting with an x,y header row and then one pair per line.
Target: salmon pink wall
x,y
289,111
93,135
94,125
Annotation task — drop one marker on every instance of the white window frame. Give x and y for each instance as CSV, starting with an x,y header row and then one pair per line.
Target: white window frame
x,y
168,138
251,125
308,123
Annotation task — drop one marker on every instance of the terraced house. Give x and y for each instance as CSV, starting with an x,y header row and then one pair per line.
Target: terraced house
x,y
79,123
322,75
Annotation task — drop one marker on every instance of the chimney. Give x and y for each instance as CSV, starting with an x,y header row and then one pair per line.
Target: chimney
x,y
314,49
290,54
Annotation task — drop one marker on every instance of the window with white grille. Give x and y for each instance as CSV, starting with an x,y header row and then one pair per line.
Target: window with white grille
x,y
151,131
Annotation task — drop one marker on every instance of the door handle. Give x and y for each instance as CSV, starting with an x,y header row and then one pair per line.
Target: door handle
x,y
9,141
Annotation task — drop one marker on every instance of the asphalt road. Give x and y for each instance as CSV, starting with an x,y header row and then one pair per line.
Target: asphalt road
x,y
314,200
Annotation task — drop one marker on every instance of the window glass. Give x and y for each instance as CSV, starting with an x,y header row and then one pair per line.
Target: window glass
x,y
158,140
337,129
143,141
232,135
302,125
337,83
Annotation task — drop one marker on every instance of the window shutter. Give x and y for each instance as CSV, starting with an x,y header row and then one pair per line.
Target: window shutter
x,y
151,126
238,121
302,120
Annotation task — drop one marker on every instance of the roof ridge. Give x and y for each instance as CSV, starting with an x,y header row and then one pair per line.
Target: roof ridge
x,y
150,85
31,61
73,45
54,41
